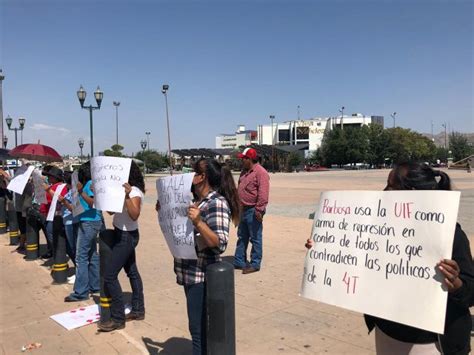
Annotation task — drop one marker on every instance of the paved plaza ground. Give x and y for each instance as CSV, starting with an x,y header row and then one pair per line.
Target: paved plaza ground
x,y
270,316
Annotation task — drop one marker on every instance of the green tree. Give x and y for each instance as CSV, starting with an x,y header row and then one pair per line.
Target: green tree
x,y
459,146
334,146
153,159
294,159
378,145
114,151
357,144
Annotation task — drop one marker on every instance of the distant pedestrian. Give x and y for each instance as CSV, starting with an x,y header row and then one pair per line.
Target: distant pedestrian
x,y
468,165
254,186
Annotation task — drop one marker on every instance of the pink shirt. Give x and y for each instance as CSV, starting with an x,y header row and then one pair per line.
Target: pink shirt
x,y
254,186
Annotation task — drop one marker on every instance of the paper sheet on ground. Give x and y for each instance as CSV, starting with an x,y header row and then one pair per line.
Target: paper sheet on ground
x,y
108,176
376,253
18,183
77,207
78,317
40,194
174,194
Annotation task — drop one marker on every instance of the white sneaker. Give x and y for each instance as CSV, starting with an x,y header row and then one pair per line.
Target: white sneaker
x,y
71,279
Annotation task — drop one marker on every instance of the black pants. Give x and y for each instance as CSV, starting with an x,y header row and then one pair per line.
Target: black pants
x,y
123,256
21,222
196,305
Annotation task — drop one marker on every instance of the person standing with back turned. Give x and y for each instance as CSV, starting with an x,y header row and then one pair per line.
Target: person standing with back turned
x,y
254,186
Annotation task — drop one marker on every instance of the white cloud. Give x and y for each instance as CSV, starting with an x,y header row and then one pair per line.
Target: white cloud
x,y
41,127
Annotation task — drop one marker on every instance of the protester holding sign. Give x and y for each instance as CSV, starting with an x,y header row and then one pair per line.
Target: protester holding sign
x,y
458,279
90,224
123,255
217,203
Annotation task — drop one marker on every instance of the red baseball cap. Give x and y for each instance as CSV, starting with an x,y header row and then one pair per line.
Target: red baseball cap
x,y
248,153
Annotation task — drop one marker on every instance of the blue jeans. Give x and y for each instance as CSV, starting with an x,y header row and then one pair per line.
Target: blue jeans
x,y
249,230
49,234
87,259
196,305
71,240
123,256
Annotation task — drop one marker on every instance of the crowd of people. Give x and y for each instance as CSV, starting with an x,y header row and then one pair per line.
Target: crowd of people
x,y
218,202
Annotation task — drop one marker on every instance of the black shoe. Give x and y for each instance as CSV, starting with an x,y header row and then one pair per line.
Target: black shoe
x,y
249,270
73,299
236,267
47,255
110,326
134,316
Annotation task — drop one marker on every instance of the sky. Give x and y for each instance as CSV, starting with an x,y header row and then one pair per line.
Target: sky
x,y
229,63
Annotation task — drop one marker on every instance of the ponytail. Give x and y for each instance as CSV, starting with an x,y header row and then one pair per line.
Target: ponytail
x,y
444,182
221,180
416,176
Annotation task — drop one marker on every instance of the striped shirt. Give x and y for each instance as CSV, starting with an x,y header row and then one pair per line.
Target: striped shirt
x,y
215,212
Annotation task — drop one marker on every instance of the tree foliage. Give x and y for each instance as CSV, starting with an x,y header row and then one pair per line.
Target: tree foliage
x,y
153,159
459,146
114,151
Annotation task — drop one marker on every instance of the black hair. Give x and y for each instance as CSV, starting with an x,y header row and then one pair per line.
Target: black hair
x,y
67,177
84,173
416,176
136,178
221,180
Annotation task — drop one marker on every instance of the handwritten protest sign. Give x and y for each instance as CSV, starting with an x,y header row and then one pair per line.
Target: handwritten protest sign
x,y
108,176
18,183
376,253
174,194
54,202
77,207
40,194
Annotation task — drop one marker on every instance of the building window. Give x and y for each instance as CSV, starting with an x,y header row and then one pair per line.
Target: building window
x,y
302,133
283,135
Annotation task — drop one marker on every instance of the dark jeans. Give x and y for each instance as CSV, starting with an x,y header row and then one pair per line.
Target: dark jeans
x,y
123,256
196,304
250,229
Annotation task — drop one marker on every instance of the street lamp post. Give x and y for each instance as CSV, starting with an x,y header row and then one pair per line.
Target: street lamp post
x,y
272,117
5,141
342,117
445,136
99,95
21,121
165,92
393,116
81,145
116,104
148,139
143,145
1,101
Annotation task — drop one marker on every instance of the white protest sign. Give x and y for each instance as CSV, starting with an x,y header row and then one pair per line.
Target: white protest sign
x,y
78,317
54,202
38,182
18,183
108,176
376,253
77,207
174,194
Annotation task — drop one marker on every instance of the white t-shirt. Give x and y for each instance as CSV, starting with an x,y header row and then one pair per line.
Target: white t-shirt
x,y
122,220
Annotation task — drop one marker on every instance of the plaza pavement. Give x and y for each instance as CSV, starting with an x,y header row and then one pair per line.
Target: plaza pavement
x,y
270,316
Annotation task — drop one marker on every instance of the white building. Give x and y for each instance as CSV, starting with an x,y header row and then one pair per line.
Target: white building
x,y
241,137
309,131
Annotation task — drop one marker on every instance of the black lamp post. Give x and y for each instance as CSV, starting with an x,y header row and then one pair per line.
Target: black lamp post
x,y
81,145
164,90
148,139
393,116
5,141
272,117
99,95
143,145
21,121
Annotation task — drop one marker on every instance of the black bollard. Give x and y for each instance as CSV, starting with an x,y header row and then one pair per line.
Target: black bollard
x,y
13,224
60,266
106,243
32,237
220,303
3,216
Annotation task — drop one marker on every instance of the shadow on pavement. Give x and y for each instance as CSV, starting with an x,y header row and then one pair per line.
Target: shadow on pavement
x,y
175,346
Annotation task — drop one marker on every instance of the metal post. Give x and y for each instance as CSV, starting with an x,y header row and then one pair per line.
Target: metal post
x,y
1,100
13,224
116,104
92,132
60,266
169,136
220,308
272,117
16,136
3,216
32,237
106,242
